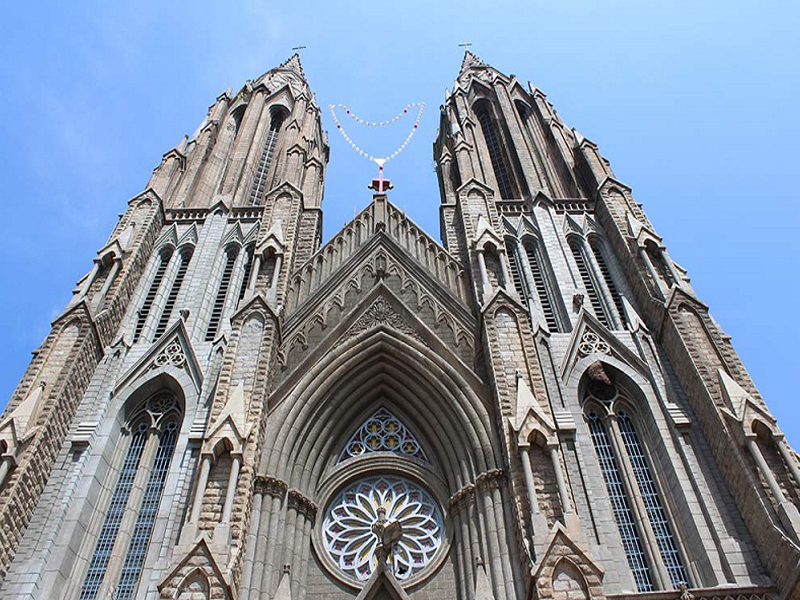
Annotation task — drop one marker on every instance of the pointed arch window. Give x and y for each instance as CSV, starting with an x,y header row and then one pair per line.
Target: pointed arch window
x,y
516,274
150,297
652,501
577,247
542,285
248,267
382,432
623,513
496,155
632,489
185,257
222,293
597,247
151,442
264,161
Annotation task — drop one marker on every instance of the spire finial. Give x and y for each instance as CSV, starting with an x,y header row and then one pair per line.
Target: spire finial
x,y
470,59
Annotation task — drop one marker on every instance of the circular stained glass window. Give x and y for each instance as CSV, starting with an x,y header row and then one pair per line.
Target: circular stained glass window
x,y
387,515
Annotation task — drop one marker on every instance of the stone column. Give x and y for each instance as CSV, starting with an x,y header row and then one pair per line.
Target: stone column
x,y
251,285
6,462
671,266
252,537
230,493
566,504
202,482
89,280
783,448
485,285
787,512
538,520
111,276
651,269
501,256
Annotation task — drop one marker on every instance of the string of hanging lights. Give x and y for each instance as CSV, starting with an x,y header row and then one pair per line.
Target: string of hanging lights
x,y
380,161
394,119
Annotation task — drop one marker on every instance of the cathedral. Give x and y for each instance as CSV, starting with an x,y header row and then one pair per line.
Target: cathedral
x,y
538,407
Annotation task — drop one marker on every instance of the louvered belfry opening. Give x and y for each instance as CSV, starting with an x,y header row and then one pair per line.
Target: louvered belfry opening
x,y
541,287
174,290
150,297
222,293
516,275
597,250
268,150
588,283
248,268
495,154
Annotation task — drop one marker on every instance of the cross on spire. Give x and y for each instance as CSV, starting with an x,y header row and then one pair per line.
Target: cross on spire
x,y
298,49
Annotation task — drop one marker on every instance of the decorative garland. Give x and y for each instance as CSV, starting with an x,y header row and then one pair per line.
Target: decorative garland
x,y
379,161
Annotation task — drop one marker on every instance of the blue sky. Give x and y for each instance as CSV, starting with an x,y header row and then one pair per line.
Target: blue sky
x,y
694,103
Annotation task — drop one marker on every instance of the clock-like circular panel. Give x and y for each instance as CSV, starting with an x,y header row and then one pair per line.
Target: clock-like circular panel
x,y
384,514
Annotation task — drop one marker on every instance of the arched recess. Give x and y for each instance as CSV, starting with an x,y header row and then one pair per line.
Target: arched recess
x,y
769,446
449,412
195,586
568,583
641,469
141,442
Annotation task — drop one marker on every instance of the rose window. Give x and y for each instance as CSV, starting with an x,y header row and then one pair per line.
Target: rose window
x,y
387,516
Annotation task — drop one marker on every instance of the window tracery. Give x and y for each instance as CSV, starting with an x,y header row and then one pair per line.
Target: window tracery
x,y
358,515
631,485
151,441
382,432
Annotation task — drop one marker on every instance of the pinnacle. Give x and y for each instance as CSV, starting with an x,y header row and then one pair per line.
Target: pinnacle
x,y
470,60
293,64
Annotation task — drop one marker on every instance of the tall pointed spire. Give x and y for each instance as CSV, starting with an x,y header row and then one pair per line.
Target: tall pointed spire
x,y
293,64
470,60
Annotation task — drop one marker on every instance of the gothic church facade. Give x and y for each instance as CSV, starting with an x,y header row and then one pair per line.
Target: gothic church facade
x,y
539,408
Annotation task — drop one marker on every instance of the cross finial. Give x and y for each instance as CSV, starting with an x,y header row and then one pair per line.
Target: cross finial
x,y
465,45
298,49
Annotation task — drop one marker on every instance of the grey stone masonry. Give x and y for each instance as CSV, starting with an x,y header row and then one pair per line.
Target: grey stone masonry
x,y
538,408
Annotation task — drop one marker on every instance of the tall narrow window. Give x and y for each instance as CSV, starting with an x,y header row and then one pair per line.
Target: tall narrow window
x,y
222,293
597,250
172,297
620,505
632,486
260,175
588,282
248,267
147,305
110,529
143,528
495,154
156,422
542,291
515,271
652,502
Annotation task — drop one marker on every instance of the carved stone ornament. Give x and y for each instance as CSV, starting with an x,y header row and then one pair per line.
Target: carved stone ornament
x,y
380,313
462,498
271,485
592,343
171,355
489,480
302,504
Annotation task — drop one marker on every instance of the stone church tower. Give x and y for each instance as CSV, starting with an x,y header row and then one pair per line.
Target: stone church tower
x,y
541,408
